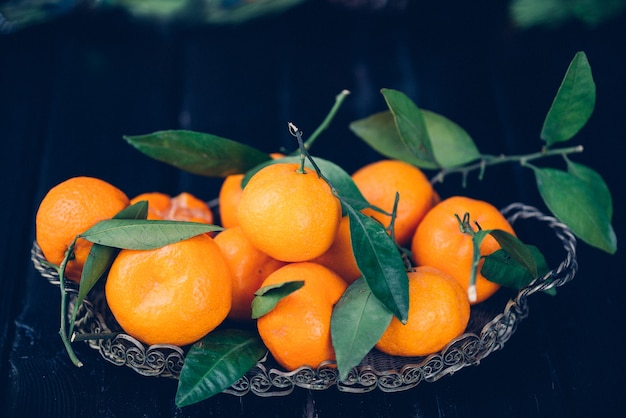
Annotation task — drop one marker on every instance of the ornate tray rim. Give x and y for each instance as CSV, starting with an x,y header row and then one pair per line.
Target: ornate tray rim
x,y
267,379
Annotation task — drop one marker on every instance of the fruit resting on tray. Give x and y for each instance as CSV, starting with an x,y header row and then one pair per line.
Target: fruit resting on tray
x,y
315,264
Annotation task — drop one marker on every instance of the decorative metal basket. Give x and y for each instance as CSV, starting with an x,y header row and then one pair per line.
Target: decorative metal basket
x,y
491,324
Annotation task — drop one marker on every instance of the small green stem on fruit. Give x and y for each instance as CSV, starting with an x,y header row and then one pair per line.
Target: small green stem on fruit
x,y
293,129
490,160
326,122
466,228
392,223
297,133
62,331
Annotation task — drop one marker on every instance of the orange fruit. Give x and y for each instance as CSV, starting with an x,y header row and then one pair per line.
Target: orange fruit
x,y
297,330
340,256
184,207
439,242
175,294
230,194
249,268
69,209
438,312
379,182
289,215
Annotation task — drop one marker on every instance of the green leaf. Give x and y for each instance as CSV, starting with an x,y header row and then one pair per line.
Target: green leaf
x,y
101,257
516,249
267,297
142,234
379,131
336,175
452,146
574,203
499,267
198,153
358,321
410,123
595,182
216,362
574,102
379,261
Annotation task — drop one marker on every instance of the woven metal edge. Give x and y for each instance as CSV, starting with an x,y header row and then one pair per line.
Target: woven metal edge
x,y
267,379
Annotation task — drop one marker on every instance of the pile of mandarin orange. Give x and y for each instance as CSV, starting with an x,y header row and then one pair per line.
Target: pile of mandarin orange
x,y
286,225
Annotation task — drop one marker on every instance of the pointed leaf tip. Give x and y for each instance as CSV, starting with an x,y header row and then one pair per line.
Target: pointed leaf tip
x,y
573,104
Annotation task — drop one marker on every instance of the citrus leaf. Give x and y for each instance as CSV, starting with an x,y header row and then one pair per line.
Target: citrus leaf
x,y
574,102
410,123
336,175
216,362
267,297
142,234
499,267
198,153
595,182
516,249
101,257
452,146
379,131
574,203
379,261
358,321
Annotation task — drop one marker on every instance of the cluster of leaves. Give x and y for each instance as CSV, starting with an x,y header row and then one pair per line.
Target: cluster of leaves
x,y
405,132
578,196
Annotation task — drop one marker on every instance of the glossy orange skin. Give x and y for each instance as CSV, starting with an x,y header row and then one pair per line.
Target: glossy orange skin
x,y
69,209
439,242
289,215
297,330
379,182
230,195
438,312
175,294
340,256
184,207
249,268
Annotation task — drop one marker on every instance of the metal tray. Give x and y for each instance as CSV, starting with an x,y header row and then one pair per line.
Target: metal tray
x,y
491,324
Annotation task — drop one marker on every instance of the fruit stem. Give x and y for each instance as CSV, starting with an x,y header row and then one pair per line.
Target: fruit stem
x,y
489,160
466,228
326,122
294,131
62,330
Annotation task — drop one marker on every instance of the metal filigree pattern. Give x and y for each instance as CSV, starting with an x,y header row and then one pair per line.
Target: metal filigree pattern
x,y
491,325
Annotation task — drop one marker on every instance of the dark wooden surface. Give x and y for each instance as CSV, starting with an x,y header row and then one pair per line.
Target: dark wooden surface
x,y
71,88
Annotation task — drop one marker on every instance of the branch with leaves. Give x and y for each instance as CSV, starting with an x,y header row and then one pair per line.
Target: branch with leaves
x,y
577,196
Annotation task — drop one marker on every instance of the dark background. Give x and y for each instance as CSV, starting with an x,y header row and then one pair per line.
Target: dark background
x,y
73,86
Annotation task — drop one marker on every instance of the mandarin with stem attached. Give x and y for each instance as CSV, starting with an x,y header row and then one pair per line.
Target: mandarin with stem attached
x,y
439,241
288,213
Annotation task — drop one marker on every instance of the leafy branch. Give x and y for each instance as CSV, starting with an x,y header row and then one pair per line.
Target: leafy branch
x,y
577,196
